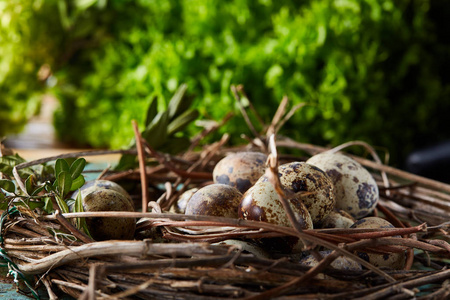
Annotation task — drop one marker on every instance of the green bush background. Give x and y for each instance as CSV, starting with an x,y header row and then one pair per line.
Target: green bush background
x,y
374,70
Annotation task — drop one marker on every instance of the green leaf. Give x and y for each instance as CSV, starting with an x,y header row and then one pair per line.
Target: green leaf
x,y
7,185
77,183
61,165
78,203
77,168
176,145
156,133
38,190
49,187
64,183
62,204
29,184
8,162
126,162
80,223
12,160
175,104
151,111
3,205
182,121
35,204
6,169
48,207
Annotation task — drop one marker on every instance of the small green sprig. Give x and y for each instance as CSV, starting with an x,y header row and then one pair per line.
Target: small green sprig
x,y
163,128
65,179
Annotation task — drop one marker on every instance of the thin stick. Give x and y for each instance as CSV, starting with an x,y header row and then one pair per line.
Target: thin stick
x,y
48,287
240,89
92,282
244,113
73,154
112,248
75,286
169,165
77,233
141,157
281,110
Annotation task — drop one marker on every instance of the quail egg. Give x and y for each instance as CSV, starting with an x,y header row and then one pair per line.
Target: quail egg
x,y
356,189
240,170
179,207
109,228
216,199
302,177
261,203
394,260
337,219
94,185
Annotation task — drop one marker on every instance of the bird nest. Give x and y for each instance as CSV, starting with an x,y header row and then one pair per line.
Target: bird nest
x,y
178,256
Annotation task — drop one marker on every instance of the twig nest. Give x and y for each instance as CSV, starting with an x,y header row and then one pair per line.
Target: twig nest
x,y
261,203
387,260
179,207
337,219
319,195
94,185
356,189
240,170
216,199
109,228
340,263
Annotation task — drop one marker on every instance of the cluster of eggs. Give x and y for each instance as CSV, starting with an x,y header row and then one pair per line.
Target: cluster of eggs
x,y
329,190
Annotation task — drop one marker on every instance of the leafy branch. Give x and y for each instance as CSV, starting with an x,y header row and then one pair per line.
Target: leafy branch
x,y
41,185
162,128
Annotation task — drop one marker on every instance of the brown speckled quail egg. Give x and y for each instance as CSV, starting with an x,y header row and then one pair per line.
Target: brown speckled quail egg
x,y
340,263
179,207
337,219
388,260
261,203
94,185
109,228
216,199
240,170
356,189
302,177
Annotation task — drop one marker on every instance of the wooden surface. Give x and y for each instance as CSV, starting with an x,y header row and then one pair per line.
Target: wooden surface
x,y
38,139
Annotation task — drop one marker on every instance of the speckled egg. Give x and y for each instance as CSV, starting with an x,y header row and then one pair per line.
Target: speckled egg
x,y
337,219
340,263
94,185
356,189
240,170
388,260
179,207
302,177
109,228
216,199
261,203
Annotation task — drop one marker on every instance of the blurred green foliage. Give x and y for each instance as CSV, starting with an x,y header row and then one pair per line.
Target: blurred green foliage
x,y
374,70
